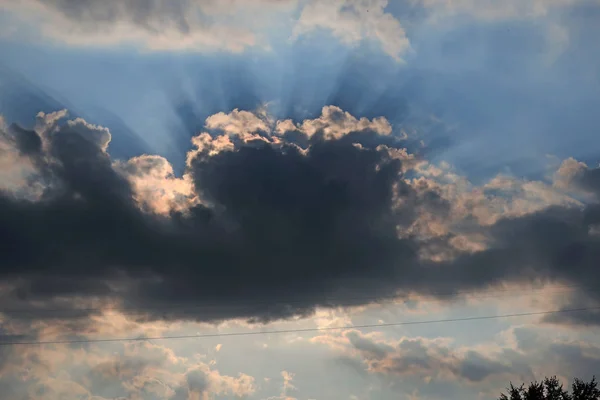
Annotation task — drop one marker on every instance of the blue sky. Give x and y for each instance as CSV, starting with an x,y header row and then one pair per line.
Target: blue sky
x,y
517,82
492,103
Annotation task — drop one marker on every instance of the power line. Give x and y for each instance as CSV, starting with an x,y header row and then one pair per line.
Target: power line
x,y
248,304
305,330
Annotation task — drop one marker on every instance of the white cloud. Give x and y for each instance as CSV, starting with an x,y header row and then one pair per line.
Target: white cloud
x,y
461,208
46,122
15,171
352,21
197,25
240,123
335,123
99,135
124,370
568,172
502,196
201,25
241,126
156,187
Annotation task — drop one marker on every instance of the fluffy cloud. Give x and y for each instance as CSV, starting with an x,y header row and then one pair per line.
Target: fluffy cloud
x,y
155,186
334,123
438,365
155,25
353,21
286,214
203,25
428,359
240,123
281,213
15,170
130,371
574,175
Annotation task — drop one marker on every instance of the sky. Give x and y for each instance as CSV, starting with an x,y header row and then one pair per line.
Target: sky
x,y
297,199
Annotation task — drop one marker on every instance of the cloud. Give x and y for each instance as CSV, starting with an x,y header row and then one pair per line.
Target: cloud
x,y
439,365
240,123
334,123
551,352
202,25
428,359
276,214
353,21
202,383
575,301
260,215
577,176
155,186
16,170
196,25
123,371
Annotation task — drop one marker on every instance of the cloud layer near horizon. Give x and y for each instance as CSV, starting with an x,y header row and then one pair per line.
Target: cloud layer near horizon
x,y
273,218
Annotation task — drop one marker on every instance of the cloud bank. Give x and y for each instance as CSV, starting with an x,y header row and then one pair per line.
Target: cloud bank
x,y
205,25
272,219
202,25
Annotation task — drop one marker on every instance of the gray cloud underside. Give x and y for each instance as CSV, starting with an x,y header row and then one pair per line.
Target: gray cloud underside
x,y
530,355
417,356
280,231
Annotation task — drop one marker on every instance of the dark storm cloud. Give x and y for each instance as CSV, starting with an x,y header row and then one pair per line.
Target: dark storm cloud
x,y
282,231
282,224
287,225
27,142
556,243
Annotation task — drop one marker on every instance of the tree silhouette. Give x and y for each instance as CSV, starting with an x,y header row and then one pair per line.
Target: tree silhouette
x,y
552,389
